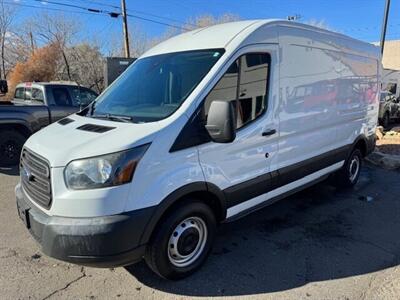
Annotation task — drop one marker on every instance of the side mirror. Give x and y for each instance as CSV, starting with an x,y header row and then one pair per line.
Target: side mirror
x,y
221,121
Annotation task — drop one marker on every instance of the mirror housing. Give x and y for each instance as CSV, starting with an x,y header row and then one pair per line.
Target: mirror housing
x,y
221,121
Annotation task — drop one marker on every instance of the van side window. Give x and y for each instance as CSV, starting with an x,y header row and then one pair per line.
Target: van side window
x,y
226,88
248,91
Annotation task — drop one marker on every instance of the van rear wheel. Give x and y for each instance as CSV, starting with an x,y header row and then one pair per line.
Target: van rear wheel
x,y
348,175
182,241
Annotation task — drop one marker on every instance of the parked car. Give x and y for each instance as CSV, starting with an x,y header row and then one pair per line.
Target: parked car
x,y
202,129
35,105
389,108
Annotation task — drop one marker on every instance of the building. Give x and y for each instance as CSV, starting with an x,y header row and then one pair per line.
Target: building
x,y
391,55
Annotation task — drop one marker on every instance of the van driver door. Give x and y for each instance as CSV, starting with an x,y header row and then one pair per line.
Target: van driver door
x,y
242,168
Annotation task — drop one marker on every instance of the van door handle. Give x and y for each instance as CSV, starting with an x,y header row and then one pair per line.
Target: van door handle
x,y
269,132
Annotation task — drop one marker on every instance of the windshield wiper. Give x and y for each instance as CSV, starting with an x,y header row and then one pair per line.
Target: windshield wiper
x,y
126,119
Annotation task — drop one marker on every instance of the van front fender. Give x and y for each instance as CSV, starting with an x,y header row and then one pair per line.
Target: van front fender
x,y
186,191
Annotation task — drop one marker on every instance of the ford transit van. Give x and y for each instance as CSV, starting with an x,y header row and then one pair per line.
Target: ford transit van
x,y
204,128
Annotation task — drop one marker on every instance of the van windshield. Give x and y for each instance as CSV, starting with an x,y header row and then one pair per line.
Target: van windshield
x,y
154,87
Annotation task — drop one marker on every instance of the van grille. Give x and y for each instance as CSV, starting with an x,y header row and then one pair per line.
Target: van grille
x,y
35,178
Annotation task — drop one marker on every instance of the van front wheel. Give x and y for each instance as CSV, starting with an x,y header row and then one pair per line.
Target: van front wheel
x,y
182,241
348,175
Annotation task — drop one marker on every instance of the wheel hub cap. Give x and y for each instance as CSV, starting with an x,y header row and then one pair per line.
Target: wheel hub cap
x,y
187,241
354,168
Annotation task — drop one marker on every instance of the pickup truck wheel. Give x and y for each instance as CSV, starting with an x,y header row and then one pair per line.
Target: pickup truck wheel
x,y
386,120
182,241
348,175
11,143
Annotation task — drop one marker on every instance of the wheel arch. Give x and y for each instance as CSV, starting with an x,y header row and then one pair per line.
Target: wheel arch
x,y
204,191
17,125
365,144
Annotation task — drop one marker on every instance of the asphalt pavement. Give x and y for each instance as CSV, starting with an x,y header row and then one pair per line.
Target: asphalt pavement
x,y
322,243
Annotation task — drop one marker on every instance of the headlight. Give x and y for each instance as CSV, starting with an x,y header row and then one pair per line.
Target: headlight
x,y
103,171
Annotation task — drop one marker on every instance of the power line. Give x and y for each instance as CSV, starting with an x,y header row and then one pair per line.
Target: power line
x,y
94,10
105,12
99,3
140,12
157,22
49,8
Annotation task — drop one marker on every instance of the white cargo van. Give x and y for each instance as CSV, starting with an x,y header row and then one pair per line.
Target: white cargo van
x,y
202,129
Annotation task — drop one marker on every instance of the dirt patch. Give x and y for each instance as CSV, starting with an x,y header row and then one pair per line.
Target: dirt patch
x,y
390,143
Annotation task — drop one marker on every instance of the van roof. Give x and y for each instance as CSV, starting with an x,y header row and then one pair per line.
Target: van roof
x,y
232,34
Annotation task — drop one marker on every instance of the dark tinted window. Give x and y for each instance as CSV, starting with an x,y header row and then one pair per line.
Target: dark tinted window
x,y
249,91
61,96
256,60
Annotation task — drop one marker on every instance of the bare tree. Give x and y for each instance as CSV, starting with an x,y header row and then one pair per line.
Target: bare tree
x,y
86,66
6,19
140,42
208,20
55,29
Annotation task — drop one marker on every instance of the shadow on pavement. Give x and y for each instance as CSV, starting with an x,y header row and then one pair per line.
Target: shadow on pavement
x,y
316,235
12,171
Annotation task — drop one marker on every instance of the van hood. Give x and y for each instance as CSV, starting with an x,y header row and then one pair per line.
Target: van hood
x,y
86,137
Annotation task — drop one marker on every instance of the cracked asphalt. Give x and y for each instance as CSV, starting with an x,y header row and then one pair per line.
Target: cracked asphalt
x,y
319,244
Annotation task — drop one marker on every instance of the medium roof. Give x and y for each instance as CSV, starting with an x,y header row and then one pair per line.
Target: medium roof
x,y
222,36
212,37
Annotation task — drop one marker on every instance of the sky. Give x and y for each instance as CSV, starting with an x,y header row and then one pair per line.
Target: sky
x,y
361,19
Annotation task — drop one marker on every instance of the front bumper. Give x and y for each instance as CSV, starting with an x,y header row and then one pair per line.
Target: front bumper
x,y
108,241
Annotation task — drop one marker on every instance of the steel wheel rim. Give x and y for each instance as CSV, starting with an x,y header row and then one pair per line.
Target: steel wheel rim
x,y
354,168
187,241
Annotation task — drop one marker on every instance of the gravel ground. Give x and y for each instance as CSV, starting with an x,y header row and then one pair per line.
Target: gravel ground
x,y
319,244
390,144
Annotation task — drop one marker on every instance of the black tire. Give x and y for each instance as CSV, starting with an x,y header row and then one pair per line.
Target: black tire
x,y
11,143
158,256
386,120
348,175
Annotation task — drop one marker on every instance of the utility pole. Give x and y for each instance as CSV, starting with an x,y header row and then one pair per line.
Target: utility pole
x,y
32,42
384,25
125,29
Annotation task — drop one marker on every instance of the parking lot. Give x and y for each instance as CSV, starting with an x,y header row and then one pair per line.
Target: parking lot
x,y
319,244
